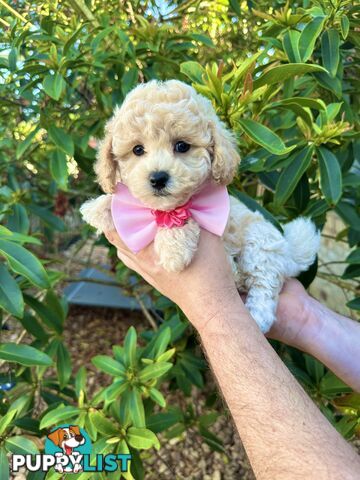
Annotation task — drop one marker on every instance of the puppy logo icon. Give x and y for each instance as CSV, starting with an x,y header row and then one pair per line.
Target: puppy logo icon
x,y
69,444
68,449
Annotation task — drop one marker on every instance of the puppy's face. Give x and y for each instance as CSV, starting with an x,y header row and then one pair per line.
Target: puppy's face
x,y
163,144
164,155
67,438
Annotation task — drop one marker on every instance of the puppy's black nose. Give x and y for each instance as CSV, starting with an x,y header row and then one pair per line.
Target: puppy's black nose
x,y
78,438
159,180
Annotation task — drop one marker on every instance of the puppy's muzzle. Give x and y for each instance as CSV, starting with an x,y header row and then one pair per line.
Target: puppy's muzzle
x,y
159,180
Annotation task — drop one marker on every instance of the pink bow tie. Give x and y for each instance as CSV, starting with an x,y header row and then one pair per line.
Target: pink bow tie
x,y
137,225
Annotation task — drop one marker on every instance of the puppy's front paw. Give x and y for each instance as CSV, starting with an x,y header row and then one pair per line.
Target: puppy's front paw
x,y
175,247
174,261
97,213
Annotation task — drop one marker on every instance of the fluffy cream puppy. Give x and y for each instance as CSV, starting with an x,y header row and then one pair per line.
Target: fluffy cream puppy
x,y
164,143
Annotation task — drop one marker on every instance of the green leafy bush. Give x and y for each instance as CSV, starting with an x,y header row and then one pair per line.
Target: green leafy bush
x,y
284,79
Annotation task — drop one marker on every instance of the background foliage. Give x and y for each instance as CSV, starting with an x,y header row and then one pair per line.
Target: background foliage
x,y
285,79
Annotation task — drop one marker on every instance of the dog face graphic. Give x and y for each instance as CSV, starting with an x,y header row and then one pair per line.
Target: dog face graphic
x,y
67,438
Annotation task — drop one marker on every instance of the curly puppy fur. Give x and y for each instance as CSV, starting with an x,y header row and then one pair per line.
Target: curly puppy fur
x,y
157,115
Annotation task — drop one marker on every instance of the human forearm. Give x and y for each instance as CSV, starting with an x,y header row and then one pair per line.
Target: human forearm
x,y
282,430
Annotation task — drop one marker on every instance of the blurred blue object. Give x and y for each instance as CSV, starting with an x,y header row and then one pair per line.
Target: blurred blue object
x,y
98,294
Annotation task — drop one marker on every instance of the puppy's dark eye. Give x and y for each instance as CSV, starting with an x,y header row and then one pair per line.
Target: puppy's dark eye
x,y
139,150
181,146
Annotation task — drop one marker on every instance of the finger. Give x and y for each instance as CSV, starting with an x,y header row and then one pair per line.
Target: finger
x,y
127,261
114,238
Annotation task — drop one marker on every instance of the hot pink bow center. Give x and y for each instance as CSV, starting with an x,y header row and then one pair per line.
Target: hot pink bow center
x,y
172,218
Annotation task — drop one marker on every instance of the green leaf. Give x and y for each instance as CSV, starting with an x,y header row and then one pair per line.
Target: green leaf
x,y
346,426
115,390
21,445
164,357
54,85
6,420
72,39
175,432
208,419
17,237
31,324
129,80
291,46
158,397
23,146
49,219
58,168
313,103
349,214
109,365
308,37
330,43
80,380
254,206
136,407
162,342
282,72
48,316
292,174
316,208
235,5
24,263
63,365
265,137
193,70
354,304
212,440
332,109
314,368
57,305
11,299
59,415
142,438
162,421
330,176
344,26
61,139
22,405
130,347
12,59
354,256
243,67
103,425
4,465
153,371
202,39
351,271
19,222
24,354
331,385
301,193
330,83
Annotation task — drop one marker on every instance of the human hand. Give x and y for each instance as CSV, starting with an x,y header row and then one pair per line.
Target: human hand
x,y
295,323
206,286
202,290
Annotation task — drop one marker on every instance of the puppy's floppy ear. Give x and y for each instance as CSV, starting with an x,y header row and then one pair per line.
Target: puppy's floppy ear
x,y
75,429
225,157
105,166
55,436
